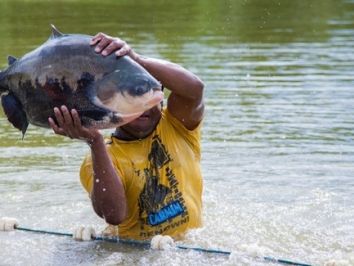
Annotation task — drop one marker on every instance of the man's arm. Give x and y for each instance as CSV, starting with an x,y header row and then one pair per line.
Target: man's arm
x,y
186,99
108,195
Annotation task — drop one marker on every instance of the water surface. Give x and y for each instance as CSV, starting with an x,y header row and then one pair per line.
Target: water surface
x,y
278,145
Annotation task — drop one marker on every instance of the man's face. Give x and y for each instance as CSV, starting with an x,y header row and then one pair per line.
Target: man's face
x,y
144,124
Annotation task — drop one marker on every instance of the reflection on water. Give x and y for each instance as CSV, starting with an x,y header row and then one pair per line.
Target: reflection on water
x,y
278,133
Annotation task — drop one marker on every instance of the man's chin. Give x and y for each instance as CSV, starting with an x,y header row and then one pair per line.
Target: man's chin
x,y
140,124
139,127
143,125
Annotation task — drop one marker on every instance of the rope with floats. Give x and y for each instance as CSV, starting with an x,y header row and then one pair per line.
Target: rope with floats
x,y
148,245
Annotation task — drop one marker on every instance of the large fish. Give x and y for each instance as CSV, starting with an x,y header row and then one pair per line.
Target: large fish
x,y
106,91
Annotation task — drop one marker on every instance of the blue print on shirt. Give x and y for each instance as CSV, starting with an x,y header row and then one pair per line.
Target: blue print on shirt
x,y
170,211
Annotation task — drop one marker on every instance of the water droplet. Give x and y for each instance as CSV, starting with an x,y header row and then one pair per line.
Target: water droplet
x,y
103,189
97,180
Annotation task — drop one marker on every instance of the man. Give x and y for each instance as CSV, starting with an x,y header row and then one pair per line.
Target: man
x,y
146,179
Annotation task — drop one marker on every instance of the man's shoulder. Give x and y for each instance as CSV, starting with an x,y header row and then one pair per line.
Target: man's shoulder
x,y
168,119
173,130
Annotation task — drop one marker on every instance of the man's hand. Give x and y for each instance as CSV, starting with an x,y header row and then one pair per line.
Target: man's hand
x,y
69,124
106,45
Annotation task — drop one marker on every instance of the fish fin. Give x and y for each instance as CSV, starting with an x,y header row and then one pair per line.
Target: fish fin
x,y
14,112
11,59
3,87
55,32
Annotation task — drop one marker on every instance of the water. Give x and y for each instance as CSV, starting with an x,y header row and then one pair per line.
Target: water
x,y
278,145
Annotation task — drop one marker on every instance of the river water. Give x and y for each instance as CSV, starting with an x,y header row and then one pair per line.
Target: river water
x,y
278,144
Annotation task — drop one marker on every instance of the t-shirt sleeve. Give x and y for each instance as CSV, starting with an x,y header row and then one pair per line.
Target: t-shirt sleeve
x,y
86,174
192,136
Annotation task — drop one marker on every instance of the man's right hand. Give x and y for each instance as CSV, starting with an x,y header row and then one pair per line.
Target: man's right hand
x,y
69,125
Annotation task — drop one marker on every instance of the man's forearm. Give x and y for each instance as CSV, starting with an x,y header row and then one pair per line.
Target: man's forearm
x,y
108,195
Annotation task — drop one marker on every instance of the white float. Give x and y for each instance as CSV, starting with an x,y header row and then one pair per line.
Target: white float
x,y
161,242
8,223
82,233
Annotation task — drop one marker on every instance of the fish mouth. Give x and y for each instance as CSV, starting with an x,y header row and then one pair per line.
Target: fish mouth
x,y
156,98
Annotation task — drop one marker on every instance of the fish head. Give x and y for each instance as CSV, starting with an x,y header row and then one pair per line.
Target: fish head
x,y
128,93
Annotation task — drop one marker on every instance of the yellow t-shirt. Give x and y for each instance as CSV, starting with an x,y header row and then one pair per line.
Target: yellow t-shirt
x,y
161,177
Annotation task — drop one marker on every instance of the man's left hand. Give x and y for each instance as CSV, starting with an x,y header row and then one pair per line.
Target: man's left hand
x,y
106,45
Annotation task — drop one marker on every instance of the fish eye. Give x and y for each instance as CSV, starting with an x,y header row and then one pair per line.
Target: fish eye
x,y
140,90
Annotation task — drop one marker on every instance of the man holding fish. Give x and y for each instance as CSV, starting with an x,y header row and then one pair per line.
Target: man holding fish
x,y
145,180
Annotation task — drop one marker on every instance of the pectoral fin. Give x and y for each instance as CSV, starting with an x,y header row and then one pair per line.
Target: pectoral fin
x,y
14,112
